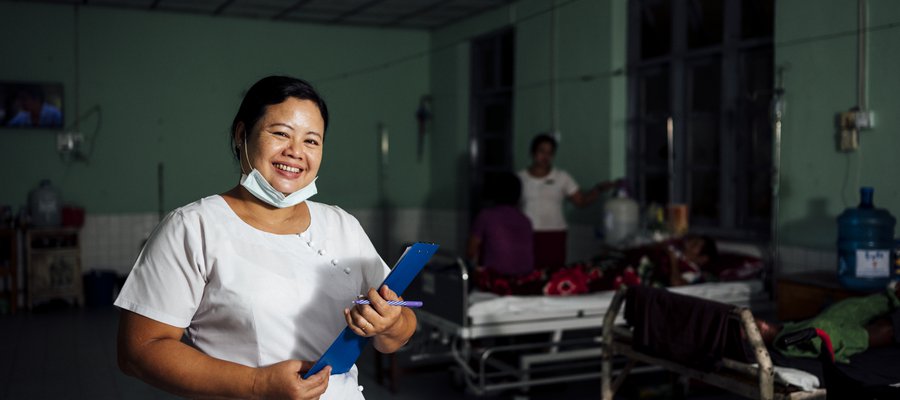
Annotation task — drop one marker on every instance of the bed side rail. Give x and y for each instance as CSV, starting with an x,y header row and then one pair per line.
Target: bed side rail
x,y
616,343
609,388
443,287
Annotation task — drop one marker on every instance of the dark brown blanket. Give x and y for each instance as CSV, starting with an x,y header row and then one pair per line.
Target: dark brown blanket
x,y
688,330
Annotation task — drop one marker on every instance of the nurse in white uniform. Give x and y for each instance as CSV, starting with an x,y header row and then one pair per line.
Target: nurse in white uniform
x,y
237,294
544,190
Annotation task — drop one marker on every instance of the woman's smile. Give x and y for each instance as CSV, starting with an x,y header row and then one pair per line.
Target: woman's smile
x,y
286,145
287,168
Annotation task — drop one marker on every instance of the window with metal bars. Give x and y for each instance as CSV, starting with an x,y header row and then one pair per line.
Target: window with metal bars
x,y
699,86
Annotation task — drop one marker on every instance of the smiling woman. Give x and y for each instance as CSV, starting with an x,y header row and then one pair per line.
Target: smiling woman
x,y
258,279
287,151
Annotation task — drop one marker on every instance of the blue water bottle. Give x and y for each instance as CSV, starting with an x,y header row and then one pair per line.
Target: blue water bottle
x,y
865,243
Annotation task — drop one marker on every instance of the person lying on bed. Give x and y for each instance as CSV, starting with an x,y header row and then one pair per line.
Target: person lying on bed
x,y
675,262
687,263
853,324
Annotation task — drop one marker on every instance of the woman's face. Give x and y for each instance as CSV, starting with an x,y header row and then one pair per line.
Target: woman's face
x,y
543,155
286,144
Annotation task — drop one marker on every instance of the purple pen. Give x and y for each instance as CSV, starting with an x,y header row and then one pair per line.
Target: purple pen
x,y
405,303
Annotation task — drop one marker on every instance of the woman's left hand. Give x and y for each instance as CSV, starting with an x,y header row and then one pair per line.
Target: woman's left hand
x,y
375,318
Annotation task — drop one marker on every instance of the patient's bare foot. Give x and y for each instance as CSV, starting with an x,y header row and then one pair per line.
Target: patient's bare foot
x,y
768,330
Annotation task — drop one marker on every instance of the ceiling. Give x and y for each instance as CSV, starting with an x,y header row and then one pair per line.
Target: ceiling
x,y
410,14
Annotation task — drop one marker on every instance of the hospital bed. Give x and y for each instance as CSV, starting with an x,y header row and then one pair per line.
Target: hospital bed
x,y
756,378
516,342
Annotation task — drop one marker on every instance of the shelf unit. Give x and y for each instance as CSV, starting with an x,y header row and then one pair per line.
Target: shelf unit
x,y
53,265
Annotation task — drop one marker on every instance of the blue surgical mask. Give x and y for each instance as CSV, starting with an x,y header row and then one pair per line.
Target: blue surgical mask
x,y
260,188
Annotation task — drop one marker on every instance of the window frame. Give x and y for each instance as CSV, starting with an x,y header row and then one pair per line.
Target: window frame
x,y
733,218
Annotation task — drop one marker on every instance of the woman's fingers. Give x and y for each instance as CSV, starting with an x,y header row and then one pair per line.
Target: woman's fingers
x,y
314,386
306,365
285,380
388,294
378,302
376,317
357,323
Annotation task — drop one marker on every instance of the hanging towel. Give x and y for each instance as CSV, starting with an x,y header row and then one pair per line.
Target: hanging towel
x,y
688,330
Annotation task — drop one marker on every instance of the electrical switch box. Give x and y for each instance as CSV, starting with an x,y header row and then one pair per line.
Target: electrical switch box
x,y
848,134
850,123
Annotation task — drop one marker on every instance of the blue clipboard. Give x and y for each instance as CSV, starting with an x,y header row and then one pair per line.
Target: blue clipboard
x,y
346,348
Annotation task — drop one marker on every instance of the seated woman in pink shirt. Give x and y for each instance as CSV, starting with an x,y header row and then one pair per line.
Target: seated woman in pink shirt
x,y
501,240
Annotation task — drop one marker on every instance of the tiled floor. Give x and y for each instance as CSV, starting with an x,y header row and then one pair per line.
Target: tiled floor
x,y
68,353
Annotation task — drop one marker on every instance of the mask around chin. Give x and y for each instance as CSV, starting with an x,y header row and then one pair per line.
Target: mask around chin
x,y
260,188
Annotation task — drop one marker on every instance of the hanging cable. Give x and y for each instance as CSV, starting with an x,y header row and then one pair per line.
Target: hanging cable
x,y
554,96
76,68
861,56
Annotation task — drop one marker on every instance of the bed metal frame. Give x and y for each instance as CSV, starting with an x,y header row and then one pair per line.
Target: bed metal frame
x,y
487,355
752,381
495,363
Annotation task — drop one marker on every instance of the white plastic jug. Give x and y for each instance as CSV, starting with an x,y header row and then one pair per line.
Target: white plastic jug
x,y
620,218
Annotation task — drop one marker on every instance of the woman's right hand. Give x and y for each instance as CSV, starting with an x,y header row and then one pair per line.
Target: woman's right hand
x,y
284,381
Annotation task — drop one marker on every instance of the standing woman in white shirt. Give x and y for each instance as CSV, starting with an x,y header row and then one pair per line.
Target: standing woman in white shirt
x,y
258,279
544,189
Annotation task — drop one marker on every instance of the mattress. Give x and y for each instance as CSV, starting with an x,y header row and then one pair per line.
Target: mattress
x,y
488,308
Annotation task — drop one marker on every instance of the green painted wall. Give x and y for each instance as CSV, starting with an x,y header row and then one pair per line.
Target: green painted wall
x,y
816,43
168,85
590,55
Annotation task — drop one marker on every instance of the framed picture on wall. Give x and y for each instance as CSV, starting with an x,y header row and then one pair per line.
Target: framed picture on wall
x,y
31,105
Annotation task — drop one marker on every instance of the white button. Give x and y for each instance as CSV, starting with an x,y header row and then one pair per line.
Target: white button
x,y
310,243
347,270
322,252
334,262
360,388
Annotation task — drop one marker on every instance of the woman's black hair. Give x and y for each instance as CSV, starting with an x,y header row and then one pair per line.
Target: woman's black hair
x,y
503,188
542,138
268,91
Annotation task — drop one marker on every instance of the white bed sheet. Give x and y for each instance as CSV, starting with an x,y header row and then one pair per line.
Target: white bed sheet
x,y
489,308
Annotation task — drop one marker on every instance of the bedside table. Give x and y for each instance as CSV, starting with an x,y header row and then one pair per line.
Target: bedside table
x,y
803,295
53,265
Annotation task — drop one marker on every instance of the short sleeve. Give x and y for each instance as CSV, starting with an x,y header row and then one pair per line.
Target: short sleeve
x,y
374,268
569,185
167,281
479,225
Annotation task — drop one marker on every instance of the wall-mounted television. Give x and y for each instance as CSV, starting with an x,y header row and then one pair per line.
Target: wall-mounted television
x,y
31,105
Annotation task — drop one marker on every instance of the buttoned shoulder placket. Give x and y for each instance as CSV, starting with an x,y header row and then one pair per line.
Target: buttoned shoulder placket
x,y
306,237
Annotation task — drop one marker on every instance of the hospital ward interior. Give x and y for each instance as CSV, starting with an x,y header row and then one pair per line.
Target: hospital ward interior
x,y
623,199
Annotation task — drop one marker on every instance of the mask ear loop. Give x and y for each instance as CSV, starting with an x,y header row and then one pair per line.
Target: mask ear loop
x,y
246,155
